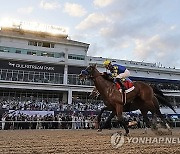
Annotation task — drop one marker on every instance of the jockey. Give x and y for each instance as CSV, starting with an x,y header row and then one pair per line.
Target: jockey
x,y
119,72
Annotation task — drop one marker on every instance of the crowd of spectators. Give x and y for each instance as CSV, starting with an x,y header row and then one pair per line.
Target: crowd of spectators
x,y
70,121
167,86
49,121
43,105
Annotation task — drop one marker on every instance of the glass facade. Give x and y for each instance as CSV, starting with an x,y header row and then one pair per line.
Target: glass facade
x,y
32,52
40,77
74,80
24,71
31,76
41,44
76,57
29,95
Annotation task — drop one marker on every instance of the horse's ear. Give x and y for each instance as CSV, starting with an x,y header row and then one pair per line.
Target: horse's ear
x,y
95,65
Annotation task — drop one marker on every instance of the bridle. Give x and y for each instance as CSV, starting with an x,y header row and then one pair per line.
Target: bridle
x,y
90,75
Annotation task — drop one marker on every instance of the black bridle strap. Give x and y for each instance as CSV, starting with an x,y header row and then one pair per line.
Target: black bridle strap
x,y
92,76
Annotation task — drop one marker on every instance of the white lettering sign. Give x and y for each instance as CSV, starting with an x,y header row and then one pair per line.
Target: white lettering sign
x,y
29,66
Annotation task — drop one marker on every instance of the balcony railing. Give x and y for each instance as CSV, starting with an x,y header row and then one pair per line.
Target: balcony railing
x,y
41,77
74,80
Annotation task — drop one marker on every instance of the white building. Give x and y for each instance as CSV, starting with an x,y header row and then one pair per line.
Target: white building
x,y
40,65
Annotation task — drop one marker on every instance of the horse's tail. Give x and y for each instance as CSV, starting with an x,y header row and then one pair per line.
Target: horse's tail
x,y
162,98
164,102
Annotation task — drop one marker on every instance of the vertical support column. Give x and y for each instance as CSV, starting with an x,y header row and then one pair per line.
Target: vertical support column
x,y
174,101
65,74
69,96
64,99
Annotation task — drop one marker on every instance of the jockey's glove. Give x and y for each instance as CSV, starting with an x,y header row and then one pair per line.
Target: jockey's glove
x,y
123,79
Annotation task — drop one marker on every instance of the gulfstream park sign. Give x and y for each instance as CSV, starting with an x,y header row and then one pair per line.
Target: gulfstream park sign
x,y
31,66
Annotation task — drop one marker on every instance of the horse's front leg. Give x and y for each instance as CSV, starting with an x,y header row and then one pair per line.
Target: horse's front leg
x,y
98,118
107,123
119,110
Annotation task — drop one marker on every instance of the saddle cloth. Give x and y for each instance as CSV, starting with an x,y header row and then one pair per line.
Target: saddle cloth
x,y
128,84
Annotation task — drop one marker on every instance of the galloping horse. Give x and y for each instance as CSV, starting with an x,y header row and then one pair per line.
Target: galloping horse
x,y
131,107
142,97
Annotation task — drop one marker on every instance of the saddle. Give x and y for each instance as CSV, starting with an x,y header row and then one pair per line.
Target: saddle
x,y
128,84
125,87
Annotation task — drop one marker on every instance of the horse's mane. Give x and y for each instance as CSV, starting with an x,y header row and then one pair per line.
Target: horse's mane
x,y
107,77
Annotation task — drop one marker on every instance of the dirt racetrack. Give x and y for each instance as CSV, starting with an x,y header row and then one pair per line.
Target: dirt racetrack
x,y
79,141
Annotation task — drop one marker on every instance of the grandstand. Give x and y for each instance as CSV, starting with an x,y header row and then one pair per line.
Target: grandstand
x,y
39,71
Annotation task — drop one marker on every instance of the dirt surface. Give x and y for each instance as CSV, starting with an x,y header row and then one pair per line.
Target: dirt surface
x,y
79,141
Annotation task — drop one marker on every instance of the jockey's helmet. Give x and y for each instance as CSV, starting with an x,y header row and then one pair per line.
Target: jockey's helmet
x,y
106,63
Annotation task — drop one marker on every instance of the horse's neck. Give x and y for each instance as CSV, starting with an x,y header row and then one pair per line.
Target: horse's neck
x,y
96,73
102,84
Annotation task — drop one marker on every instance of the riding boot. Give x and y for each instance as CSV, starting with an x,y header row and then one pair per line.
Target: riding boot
x,y
121,84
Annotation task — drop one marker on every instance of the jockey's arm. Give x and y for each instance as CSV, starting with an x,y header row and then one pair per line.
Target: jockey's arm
x,y
109,75
114,71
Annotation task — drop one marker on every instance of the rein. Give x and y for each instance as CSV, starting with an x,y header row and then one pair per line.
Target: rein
x,y
95,76
92,76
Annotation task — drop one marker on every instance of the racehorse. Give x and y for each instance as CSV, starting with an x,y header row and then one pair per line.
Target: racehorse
x,y
142,97
129,107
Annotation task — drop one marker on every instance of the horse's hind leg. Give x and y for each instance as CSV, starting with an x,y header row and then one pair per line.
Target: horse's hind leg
x,y
154,121
146,120
158,112
164,121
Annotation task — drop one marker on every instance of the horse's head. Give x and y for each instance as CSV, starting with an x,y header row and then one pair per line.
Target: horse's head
x,y
88,72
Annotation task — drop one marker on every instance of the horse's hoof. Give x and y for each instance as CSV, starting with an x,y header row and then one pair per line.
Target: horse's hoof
x,y
154,128
99,130
170,132
126,134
